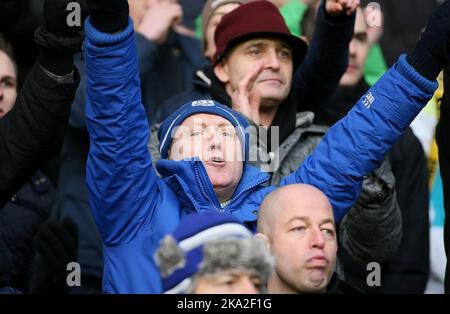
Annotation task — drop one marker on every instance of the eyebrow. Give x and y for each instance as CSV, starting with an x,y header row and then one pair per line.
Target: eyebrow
x,y
220,125
307,220
263,42
257,42
327,221
8,77
302,218
360,34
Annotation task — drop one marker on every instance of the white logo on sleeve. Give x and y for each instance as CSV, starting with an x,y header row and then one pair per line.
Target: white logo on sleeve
x,y
368,100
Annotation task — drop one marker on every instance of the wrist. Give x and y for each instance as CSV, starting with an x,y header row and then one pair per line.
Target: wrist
x,y
424,62
110,17
57,64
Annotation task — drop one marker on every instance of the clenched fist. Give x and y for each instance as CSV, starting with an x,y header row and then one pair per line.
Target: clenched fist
x,y
337,7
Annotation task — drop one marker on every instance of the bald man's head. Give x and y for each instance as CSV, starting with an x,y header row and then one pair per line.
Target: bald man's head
x,y
298,224
289,196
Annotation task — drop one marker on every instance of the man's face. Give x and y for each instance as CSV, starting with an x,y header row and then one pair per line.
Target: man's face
x,y
303,240
210,46
358,51
8,84
214,140
273,83
229,282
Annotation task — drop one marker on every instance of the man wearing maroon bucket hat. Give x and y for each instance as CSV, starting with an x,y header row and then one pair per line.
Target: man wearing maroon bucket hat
x,y
257,56
314,80
256,19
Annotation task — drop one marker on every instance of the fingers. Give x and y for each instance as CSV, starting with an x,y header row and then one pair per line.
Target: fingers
x,y
151,3
246,99
177,13
355,4
248,81
350,6
336,7
254,100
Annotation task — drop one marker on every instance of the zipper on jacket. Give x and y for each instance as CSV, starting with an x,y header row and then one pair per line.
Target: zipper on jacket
x,y
227,203
202,189
243,191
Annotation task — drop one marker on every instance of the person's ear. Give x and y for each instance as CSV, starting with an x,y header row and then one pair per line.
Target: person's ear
x,y
264,238
221,71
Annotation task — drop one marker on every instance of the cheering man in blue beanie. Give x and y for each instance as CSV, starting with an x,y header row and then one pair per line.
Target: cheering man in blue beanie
x,y
204,145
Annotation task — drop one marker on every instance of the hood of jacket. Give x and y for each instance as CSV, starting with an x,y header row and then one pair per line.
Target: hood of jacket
x,y
190,182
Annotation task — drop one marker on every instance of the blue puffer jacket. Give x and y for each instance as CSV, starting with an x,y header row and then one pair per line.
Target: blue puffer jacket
x,y
134,207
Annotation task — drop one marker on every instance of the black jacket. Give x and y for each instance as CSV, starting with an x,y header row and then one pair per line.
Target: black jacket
x,y
33,131
19,221
338,286
408,270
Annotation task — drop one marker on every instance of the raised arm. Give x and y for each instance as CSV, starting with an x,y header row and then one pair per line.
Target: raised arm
x,y
121,181
356,144
327,58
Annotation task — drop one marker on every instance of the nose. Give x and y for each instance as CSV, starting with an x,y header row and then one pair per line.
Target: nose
x,y
272,60
317,239
352,48
214,140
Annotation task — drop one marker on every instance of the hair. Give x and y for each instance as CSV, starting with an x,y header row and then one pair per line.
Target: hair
x,y
6,47
235,254
218,255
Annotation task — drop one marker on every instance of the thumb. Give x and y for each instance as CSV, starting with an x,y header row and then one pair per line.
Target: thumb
x,y
254,100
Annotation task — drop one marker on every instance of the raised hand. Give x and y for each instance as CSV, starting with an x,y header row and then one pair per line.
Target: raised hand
x,y
245,99
337,7
62,29
160,17
432,51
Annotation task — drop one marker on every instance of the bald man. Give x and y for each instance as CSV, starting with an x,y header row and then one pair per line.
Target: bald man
x,y
297,223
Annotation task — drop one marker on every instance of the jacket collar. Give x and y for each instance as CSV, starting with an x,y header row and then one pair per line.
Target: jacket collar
x,y
189,180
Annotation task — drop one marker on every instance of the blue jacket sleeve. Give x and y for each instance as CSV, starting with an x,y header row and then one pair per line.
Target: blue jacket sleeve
x,y
326,61
121,181
355,145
